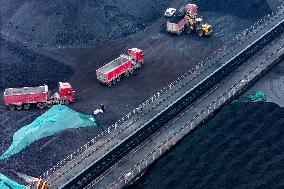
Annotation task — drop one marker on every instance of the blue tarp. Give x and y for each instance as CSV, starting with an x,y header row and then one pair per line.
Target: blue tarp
x,y
56,119
5,182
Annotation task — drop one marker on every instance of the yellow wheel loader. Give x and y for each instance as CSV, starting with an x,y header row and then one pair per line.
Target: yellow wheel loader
x,y
194,24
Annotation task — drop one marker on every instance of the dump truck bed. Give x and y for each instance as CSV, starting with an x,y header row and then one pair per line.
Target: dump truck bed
x,y
114,64
175,19
25,90
18,96
176,24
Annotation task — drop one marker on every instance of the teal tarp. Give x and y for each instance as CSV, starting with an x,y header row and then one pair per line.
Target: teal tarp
x,y
3,185
5,182
56,119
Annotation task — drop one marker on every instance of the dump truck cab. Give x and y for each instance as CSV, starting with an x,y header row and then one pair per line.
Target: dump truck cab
x,y
136,55
191,10
66,92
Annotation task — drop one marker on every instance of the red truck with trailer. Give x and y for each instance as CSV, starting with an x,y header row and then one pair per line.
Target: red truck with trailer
x,y
18,98
124,65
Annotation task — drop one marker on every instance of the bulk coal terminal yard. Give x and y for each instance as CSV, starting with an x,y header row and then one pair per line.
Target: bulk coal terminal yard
x,y
121,151
248,156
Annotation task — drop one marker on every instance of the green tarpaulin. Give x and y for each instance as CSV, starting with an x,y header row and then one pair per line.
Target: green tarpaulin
x,y
3,185
56,119
6,183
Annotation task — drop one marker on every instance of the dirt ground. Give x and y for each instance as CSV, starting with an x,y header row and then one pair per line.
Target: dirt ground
x,y
166,57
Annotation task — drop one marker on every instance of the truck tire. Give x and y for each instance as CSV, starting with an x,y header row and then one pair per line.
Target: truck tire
x,y
114,81
26,106
40,105
200,33
66,102
19,107
49,104
118,78
11,107
131,71
126,74
188,30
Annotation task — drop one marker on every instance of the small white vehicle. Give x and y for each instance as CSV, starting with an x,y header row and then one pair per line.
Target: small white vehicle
x,y
170,12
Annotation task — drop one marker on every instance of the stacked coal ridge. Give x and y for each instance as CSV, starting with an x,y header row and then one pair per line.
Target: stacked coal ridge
x,y
24,67
241,147
78,22
240,8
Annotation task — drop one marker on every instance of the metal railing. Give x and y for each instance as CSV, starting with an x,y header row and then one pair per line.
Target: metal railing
x,y
216,56
175,137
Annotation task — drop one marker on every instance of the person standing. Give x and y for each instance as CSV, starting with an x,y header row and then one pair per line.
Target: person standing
x,y
100,110
102,107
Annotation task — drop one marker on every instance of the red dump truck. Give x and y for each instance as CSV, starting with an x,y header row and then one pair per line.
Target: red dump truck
x,y
18,98
176,24
124,65
186,20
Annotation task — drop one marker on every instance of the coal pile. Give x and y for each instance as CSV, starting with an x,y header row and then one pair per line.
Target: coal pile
x,y
8,8
42,154
79,22
271,84
241,147
253,9
25,67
